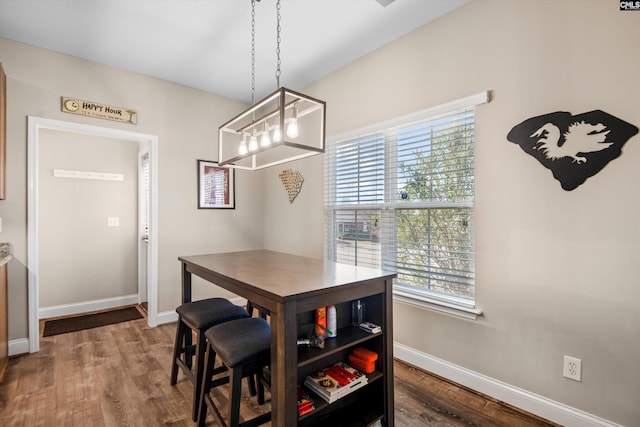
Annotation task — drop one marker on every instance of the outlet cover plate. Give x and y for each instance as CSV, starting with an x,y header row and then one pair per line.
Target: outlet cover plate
x,y
572,368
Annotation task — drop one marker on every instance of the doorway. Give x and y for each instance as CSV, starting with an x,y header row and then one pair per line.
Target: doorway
x,y
148,143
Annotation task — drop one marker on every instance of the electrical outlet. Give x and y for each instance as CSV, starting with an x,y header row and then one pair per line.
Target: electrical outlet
x,y
572,368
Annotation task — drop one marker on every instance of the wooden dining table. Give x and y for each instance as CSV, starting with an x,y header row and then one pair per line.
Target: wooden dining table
x,y
287,285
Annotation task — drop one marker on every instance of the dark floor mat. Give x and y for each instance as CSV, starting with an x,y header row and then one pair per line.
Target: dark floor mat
x,y
78,323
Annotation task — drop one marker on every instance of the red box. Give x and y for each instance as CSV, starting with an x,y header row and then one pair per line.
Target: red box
x,y
361,364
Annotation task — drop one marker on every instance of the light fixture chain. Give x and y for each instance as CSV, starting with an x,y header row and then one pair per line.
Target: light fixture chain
x,y
253,51
278,29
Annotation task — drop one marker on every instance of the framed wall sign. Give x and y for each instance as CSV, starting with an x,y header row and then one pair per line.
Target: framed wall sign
x,y
216,186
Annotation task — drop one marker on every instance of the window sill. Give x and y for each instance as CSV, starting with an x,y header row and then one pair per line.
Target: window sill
x,y
424,302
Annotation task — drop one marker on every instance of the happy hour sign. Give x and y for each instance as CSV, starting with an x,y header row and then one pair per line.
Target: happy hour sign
x,y
100,111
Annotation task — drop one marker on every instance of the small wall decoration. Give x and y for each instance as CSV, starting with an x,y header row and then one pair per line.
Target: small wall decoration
x,y
292,182
576,147
100,176
216,186
100,111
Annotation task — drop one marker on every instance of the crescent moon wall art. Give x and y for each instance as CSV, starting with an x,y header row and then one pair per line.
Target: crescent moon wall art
x,y
576,147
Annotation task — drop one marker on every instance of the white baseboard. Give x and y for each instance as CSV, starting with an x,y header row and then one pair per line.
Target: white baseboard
x,y
167,317
530,402
86,306
19,346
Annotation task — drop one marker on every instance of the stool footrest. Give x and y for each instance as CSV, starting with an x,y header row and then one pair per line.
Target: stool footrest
x,y
219,370
219,381
186,370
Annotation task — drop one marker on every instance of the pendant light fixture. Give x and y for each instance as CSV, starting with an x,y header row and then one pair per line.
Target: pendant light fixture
x,y
284,126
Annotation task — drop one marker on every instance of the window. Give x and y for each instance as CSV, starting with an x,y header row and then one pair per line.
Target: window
x,y
401,197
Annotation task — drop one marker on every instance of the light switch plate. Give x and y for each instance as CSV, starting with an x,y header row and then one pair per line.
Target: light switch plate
x,y
113,221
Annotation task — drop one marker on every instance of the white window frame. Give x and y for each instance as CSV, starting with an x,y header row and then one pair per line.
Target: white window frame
x,y
448,304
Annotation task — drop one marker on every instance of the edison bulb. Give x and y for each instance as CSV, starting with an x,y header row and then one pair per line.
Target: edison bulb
x,y
265,141
253,143
292,129
242,149
277,135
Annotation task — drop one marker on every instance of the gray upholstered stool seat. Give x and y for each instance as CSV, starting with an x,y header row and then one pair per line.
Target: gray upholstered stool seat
x,y
244,347
206,313
198,316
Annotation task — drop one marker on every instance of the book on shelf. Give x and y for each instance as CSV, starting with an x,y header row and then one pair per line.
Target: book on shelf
x,y
305,403
335,382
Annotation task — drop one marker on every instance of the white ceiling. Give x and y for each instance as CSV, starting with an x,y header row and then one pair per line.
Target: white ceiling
x,y
206,44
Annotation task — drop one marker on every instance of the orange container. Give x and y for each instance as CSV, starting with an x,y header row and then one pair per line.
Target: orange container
x,y
321,320
365,354
362,364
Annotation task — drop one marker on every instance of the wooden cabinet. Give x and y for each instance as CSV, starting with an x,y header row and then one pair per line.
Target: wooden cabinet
x,y
4,322
369,405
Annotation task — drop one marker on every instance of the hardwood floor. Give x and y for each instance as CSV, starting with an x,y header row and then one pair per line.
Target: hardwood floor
x,y
118,375
424,399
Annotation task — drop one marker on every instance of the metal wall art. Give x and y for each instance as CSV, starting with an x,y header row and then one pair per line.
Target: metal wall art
x,y
576,147
292,182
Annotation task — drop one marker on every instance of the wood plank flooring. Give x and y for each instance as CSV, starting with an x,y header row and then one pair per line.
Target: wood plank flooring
x,y
118,375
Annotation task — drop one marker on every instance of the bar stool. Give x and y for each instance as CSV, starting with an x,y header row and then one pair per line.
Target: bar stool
x,y
198,316
244,346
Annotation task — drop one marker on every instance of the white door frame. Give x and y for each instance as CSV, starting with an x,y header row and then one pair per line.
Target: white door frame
x,y
33,136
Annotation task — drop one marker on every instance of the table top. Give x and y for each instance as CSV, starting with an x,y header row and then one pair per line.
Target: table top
x,y
282,276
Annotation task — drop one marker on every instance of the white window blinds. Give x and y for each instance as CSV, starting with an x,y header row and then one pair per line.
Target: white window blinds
x,y
401,198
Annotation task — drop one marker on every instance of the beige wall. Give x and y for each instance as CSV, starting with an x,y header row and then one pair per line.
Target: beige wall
x,y
73,219
185,121
555,270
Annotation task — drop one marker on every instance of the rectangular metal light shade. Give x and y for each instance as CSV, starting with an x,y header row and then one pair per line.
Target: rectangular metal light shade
x,y
266,116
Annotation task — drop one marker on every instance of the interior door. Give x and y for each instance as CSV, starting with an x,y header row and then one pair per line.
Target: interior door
x,y
144,204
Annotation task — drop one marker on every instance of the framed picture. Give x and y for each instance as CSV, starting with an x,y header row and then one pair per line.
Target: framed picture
x,y
216,186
